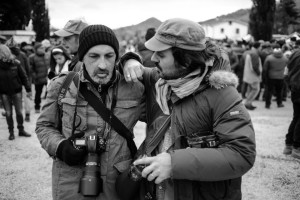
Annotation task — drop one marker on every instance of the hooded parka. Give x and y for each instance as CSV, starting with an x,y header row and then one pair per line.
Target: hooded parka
x,y
214,108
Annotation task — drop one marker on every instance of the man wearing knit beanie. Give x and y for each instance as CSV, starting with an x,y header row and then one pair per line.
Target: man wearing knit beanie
x,y
98,50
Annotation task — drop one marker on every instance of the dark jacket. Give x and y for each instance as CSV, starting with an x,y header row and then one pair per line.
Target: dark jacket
x,y
274,66
215,108
12,77
25,64
294,71
40,66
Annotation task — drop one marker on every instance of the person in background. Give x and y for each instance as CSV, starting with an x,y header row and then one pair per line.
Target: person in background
x,y
144,52
70,34
233,58
292,141
12,78
274,74
39,63
252,75
266,49
22,57
59,61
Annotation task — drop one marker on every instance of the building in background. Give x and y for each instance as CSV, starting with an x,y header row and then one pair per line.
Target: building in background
x,y
20,35
225,28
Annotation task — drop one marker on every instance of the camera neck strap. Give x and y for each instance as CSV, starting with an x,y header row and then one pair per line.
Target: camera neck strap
x,y
158,136
109,117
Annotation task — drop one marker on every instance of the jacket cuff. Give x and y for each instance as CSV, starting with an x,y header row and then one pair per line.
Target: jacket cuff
x,y
127,56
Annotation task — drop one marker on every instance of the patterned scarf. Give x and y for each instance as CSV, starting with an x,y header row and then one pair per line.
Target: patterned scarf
x,y
182,87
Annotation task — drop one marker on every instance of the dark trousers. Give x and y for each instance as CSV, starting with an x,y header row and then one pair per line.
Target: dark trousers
x,y
293,135
277,85
37,98
244,89
8,102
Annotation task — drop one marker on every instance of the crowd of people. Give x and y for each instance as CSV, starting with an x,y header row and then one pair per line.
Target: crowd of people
x,y
97,89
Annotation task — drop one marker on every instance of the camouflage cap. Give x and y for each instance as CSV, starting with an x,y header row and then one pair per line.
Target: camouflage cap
x,y
181,33
73,27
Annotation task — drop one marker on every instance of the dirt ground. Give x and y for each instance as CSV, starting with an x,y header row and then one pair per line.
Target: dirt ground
x,y
25,168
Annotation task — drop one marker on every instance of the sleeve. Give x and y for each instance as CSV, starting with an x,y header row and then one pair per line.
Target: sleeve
x,y
255,64
24,78
127,56
48,123
236,153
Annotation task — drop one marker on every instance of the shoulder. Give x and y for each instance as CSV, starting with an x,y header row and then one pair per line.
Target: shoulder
x,y
220,79
57,82
132,89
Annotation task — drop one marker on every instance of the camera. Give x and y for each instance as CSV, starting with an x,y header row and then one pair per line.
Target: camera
x,y
91,183
135,172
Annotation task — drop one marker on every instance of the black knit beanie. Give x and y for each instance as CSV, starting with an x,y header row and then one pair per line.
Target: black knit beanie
x,y
94,35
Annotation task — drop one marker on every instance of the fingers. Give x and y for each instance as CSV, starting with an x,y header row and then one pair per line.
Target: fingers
x,y
133,71
143,161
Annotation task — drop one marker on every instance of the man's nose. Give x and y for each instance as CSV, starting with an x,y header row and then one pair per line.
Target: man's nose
x,y
102,64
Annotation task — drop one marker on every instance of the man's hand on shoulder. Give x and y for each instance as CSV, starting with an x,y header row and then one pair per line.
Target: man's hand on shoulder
x,y
133,70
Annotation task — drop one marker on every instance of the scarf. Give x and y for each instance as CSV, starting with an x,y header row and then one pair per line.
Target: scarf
x,y
182,87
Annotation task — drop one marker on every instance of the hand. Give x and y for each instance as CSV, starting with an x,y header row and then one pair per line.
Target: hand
x,y
133,70
29,95
68,153
158,168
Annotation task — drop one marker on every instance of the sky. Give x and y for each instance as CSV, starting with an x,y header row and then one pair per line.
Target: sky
x,y
120,13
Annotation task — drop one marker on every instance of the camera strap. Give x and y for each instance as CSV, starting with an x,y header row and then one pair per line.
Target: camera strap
x,y
155,140
109,117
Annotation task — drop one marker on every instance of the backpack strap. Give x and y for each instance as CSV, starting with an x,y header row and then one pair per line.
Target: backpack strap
x,y
64,87
62,92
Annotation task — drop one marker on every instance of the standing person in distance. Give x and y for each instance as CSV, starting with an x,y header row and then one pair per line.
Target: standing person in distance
x,y
59,61
12,78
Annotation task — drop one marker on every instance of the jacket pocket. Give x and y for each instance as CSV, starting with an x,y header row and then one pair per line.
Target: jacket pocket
x,y
118,168
128,111
68,109
65,181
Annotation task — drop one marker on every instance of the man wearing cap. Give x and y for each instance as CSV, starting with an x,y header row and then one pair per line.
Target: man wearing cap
x,y
98,50
70,34
210,143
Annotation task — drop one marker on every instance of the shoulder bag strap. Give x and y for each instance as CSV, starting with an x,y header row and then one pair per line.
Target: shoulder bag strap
x,y
153,143
109,117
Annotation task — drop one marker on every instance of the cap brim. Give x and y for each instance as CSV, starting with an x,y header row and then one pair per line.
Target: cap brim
x,y
155,45
63,33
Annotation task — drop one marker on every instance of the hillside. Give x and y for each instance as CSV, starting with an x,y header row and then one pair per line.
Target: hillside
x,y
138,29
242,15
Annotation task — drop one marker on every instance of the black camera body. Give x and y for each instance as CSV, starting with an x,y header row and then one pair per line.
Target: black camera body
x,y
135,172
91,184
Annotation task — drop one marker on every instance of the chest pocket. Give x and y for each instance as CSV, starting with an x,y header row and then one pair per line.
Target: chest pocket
x,y
68,109
127,111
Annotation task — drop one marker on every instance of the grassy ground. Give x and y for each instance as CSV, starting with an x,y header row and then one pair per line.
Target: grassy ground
x,y
25,168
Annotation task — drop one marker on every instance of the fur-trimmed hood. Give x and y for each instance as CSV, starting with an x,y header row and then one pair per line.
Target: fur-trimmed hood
x,y
221,78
